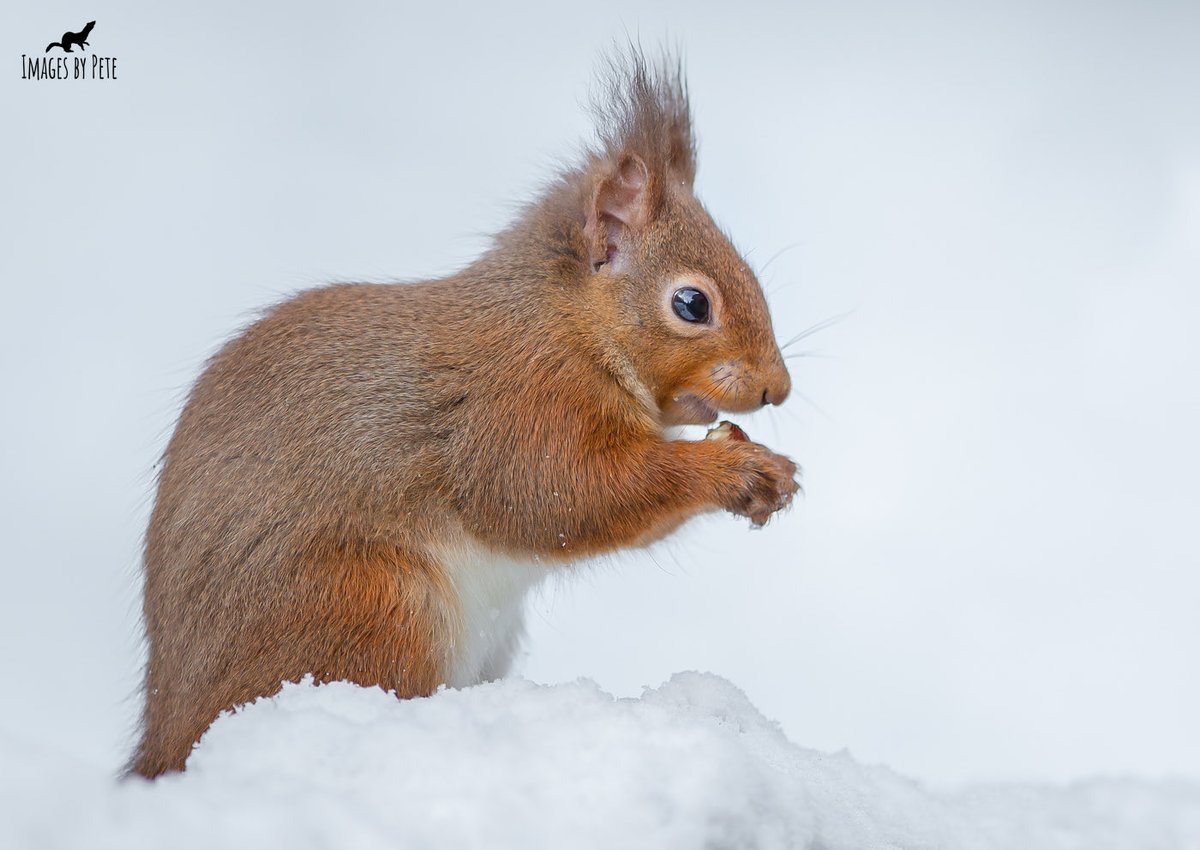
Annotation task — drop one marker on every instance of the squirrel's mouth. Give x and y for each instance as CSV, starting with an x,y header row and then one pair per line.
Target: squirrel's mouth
x,y
689,409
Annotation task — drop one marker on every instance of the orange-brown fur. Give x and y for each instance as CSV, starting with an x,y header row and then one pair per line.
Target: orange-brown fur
x,y
326,450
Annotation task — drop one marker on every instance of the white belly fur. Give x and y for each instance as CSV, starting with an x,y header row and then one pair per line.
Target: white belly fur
x,y
491,590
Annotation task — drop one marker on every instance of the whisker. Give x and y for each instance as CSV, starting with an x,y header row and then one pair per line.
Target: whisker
x,y
774,424
819,355
819,326
718,389
813,405
795,416
779,254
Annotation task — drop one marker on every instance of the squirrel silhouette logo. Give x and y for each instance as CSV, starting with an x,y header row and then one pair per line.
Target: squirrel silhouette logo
x,y
70,38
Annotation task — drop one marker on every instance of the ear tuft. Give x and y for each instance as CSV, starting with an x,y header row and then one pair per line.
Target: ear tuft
x,y
641,106
645,132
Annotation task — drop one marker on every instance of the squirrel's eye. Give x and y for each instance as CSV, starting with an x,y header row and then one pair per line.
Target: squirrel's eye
x,y
691,305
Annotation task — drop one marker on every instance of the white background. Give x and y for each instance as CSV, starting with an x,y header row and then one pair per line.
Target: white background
x,y
994,572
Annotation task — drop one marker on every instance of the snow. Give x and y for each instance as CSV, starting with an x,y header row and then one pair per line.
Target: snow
x,y
689,764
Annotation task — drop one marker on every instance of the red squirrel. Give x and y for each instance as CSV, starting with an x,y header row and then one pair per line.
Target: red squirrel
x,y
364,484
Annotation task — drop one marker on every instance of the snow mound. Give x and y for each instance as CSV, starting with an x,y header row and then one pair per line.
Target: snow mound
x,y
690,764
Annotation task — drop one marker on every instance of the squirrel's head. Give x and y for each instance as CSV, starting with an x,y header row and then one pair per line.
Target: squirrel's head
x,y
688,328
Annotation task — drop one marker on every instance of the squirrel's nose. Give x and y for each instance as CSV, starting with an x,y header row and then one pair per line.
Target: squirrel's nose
x,y
777,388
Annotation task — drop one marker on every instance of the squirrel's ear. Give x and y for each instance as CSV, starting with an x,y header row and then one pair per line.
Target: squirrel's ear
x,y
620,206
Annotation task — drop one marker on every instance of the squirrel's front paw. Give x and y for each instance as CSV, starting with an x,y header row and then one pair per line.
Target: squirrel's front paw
x,y
767,483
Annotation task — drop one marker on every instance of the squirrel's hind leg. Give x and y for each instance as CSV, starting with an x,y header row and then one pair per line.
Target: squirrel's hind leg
x,y
369,613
